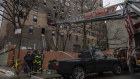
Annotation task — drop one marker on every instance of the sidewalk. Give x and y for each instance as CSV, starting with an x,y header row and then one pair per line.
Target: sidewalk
x,y
23,75
44,75
4,75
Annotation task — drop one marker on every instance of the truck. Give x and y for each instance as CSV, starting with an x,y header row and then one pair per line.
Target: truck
x,y
90,61
135,57
122,56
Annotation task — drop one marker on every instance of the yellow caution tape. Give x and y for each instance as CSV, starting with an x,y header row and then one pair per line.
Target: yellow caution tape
x,y
9,60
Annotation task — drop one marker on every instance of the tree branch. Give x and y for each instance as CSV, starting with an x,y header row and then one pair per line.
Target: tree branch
x,y
6,18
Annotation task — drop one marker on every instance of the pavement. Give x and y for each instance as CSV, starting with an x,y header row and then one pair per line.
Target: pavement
x,y
110,75
44,75
4,73
106,75
3,76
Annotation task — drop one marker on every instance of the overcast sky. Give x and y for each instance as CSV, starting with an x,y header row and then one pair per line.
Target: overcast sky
x,y
111,2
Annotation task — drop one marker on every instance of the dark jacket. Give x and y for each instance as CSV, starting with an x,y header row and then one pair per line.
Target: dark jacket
x,y
28,58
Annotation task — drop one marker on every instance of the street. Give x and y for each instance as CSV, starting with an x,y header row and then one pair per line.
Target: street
x,y
106,75
112,76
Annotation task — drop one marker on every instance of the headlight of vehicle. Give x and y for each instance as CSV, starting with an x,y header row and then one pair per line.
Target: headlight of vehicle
x,y
9,73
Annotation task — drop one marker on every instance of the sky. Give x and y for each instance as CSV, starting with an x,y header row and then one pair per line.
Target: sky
x,y
107,3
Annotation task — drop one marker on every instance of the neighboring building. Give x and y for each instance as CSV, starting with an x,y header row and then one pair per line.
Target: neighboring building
x,y
117,33
42,19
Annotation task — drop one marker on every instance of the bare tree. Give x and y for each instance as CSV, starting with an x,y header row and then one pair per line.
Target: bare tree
x,y
61,12
16,12
82,8
67,33
101,35
82,4
58,16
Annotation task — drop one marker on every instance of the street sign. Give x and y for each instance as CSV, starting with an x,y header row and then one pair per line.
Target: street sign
x,y
18,31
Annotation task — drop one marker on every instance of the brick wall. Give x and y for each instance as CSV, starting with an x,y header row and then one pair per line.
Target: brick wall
x,y
47,56
28,40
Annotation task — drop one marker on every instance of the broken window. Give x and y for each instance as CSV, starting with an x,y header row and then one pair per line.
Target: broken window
x,y
53,33
43,31
45,3
54,7
35,19
30,29
22,15
61,26
62,34
76,38
70,37
62,10
36,9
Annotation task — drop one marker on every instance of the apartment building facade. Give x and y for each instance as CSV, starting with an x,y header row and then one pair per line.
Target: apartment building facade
x,y
42,19
75,39
31,36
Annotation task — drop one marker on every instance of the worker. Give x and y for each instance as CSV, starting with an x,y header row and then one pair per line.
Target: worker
x,y
37,62
33,57
116,53
42,59
28,60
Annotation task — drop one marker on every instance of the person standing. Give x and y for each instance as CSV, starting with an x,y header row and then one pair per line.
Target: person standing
x,y
33,57
28,60
42,59
37,62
